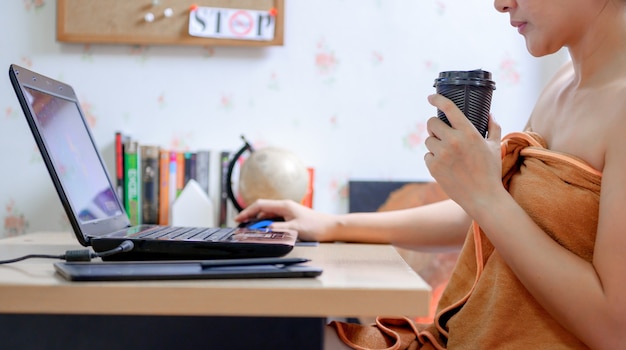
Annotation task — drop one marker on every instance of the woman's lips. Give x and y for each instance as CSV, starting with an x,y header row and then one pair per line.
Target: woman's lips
x,y
519,25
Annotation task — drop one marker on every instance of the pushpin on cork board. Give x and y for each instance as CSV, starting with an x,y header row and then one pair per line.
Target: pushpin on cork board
x,y
125,22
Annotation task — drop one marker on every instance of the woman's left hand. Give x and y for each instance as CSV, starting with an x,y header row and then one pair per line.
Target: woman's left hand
x,y
467,166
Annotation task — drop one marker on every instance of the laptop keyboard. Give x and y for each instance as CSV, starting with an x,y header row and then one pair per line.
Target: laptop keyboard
x,y
189,233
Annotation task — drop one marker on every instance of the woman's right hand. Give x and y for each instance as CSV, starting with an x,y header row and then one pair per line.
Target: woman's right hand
x,y
311,225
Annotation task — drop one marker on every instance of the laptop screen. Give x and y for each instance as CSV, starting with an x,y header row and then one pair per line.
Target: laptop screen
x,y
74,156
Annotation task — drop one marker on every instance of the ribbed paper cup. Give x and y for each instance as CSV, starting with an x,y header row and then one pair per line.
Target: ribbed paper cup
x,y
471,91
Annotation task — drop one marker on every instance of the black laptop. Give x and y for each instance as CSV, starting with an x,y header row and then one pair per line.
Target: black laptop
x,y
80,177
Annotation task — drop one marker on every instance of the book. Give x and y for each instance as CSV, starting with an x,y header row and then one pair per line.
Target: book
x,y
132,182
307,201
203,168
224,183
164,187
119,165
190,167
173,181
120,141
180,172
149,184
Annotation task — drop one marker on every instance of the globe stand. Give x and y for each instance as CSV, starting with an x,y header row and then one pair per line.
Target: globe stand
x,y
229,174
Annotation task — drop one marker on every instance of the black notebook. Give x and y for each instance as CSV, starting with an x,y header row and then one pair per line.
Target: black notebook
x,y
86,191
166,270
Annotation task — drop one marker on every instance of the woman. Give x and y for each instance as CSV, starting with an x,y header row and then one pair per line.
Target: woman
x,y
543,264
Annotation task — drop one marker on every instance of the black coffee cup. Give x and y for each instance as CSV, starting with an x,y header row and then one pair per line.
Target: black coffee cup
x,y
471,91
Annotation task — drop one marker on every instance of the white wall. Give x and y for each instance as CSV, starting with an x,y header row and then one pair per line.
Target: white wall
x,y
347,92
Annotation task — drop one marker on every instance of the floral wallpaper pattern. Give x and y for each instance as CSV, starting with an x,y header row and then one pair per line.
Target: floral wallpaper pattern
x,y
346,92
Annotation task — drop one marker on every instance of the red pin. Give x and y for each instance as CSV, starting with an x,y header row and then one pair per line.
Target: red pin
x,y
193,7
273,12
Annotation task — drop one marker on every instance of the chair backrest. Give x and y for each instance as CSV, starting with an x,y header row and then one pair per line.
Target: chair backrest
x,y
369,196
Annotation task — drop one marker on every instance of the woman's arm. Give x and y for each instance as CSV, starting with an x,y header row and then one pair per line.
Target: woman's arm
x,y
433,226
438,225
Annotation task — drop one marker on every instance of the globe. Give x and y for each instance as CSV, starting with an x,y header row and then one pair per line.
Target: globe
x,y
272,173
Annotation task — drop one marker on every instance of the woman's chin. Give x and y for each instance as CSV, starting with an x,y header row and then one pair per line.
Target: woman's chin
x,y
536,51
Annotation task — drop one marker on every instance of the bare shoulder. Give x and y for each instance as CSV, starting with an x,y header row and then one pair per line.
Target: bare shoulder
x,y
612,103
612,95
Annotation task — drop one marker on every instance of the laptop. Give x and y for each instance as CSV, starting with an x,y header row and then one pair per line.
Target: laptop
x,y
84,186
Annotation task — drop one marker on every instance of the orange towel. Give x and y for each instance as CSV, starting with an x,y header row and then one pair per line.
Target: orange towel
x,y
484,305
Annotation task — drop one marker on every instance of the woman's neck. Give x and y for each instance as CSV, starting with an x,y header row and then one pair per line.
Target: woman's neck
x,y
601,52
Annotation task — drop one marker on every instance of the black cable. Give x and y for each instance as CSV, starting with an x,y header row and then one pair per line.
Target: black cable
x,y
31,256
76,255
125,246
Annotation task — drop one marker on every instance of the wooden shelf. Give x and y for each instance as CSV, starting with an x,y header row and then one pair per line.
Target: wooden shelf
x,y
122,22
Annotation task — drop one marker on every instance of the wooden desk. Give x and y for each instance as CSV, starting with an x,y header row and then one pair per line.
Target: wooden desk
x,y
358,280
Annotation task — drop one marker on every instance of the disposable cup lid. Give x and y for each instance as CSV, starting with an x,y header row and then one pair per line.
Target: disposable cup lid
x,y
477,77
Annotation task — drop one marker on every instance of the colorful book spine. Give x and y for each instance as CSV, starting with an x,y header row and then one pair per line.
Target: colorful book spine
x,y
307,201
119,166
180,172
190,166
120,141
132,182
164,187
173,181
149,184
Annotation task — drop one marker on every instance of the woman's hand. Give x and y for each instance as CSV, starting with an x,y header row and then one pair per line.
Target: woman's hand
x,y
311,225
467,166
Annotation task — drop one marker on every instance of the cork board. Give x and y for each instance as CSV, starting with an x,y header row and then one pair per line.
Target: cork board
x,y
123,22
